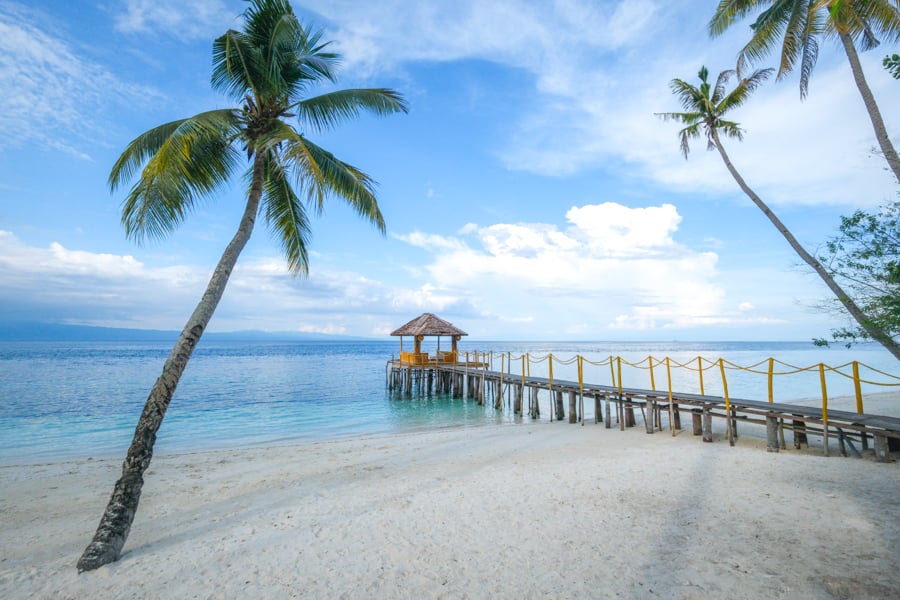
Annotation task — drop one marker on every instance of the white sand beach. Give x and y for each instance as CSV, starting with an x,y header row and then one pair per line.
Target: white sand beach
x,y
535,510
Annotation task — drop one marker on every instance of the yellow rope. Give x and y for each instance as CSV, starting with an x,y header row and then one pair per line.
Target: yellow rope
x,y
767,367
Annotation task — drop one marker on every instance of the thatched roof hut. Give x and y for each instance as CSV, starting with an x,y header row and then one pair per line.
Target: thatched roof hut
x,y
429,325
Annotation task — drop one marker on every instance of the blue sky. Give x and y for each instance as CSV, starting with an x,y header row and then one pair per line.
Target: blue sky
x,y
530,193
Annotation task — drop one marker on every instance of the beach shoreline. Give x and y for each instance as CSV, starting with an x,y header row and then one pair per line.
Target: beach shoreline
x,y
523,510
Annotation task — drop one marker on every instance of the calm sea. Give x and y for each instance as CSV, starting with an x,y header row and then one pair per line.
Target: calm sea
x,y
74,400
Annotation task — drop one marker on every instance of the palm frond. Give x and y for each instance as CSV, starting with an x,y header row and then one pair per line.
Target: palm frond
x,y
138,151
728,12
705,106
865,21
687,134
721,82
742,91
807,62
321,175
286,215
327,110
769,27
689,96
730,129
181,165
234,60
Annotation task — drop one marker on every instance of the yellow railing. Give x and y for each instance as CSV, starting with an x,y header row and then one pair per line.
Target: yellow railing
x,y
766,367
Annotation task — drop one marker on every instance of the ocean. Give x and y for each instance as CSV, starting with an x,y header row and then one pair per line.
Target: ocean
x,y
79,400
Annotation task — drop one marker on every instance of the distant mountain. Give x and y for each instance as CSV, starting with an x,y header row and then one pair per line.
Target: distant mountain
x,y
53,332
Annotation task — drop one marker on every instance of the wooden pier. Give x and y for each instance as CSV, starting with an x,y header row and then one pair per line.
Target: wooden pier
x,y
474,380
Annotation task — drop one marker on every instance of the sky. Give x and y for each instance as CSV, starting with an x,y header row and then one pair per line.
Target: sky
x,y
531,193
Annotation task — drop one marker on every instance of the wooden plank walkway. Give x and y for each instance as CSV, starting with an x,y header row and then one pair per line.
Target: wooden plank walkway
x,y
471,380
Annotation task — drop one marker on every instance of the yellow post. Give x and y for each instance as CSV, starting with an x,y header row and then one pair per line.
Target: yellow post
x,y
671,407
771,371
612,371
523,370
652,380
859,400
620,407
824,410
528,357
619,369
727,403
550,360
700,368
581,387
580,373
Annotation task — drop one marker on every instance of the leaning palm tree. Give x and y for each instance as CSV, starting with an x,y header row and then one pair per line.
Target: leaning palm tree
x,y
796,25
706,107
268,68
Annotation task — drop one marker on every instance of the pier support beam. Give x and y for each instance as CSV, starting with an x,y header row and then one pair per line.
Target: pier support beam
x,y
707,425
799,429
772,444
650,419
882,449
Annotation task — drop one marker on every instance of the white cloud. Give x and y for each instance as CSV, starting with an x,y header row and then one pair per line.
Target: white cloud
x,y
57,93
198,19
617,264
602,71
617,230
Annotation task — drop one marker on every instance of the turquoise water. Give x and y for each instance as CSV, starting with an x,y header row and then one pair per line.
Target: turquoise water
x,y
74,400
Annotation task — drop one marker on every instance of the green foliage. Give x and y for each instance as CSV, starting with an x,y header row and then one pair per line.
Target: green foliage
x,y
794,27
892,65
706,105
268,68
866,257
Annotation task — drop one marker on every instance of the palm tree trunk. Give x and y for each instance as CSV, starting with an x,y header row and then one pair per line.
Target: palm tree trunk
x,y
874,331
115,524
881,134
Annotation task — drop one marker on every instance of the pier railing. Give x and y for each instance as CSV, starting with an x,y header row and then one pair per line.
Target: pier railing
x,y
698,373
484,375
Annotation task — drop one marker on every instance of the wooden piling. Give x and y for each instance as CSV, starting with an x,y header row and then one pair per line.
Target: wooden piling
x,y
629,414
650,418
560,411
772,433
697,421
573,407
707,425
799,429
598,408
882,449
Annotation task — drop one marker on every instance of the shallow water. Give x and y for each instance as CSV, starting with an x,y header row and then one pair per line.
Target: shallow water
x,y
73,400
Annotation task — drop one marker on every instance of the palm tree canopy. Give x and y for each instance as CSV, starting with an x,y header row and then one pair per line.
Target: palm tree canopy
x,y
796,25
706,105
268,68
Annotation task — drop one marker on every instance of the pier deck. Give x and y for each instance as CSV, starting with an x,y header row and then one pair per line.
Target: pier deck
x,y
476,381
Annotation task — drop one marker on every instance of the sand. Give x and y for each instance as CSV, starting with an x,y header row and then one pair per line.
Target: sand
x,y
531,510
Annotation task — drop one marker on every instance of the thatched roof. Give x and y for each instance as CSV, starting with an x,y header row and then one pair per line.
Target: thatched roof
x,y
428,324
